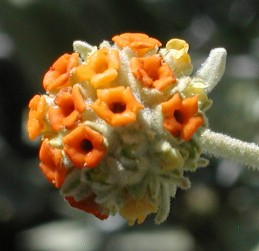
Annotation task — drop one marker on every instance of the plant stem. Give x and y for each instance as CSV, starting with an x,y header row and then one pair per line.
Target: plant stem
x,y
224,146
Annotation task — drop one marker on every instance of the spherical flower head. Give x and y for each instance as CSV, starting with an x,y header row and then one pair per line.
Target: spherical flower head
x,y
120,125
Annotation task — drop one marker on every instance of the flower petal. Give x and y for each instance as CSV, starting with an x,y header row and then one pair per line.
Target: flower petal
x,y
35,122
88,205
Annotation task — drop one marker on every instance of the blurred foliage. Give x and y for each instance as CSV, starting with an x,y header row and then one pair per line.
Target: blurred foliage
x,y
221,210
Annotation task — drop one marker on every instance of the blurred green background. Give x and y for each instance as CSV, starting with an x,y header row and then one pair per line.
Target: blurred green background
x,y
219,212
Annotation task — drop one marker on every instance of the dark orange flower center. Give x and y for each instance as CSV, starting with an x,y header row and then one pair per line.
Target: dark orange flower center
x,y
86,146
117,107
178,116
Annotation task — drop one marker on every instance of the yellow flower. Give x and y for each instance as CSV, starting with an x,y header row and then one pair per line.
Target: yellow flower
x,y
137,210
178,51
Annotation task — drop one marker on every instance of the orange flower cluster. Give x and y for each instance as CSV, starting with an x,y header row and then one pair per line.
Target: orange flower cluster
x,y
63,115
179,116
151,71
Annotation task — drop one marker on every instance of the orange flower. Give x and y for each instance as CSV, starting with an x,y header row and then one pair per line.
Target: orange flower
x,y
84,147
180,116
35,122
117,106
88,205
152,72
70,105
138,42
51,164
58,75
101,68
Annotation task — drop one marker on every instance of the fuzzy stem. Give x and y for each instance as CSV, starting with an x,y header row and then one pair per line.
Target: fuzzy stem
x,y
224,146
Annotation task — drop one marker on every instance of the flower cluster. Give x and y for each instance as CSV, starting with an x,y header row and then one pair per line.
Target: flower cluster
x,y
120,124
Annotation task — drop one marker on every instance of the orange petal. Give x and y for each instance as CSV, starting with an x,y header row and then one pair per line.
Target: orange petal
x,y
88,205
72,119
35,122
190,106
191,127
55,116
168,108
138,42
78,99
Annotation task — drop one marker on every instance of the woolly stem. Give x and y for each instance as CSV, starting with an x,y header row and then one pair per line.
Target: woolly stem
x,y
224,146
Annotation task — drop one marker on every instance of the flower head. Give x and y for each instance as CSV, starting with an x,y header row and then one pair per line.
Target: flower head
x,y
180,116
152,72
100,69
84,147
35,122
58,75
138,42
51,164
117,106
113,147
